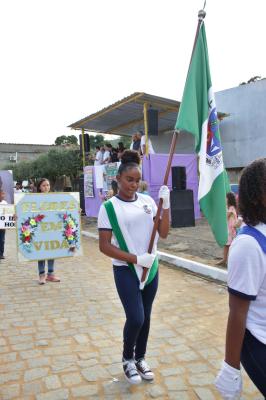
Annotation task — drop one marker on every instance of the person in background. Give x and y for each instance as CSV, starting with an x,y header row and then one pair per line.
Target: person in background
x,y
232,221
32,187
107,153
143,187
110,193
114,155
120,150
98,156
143,144
135,144
18,188
43,186
2,231
246,326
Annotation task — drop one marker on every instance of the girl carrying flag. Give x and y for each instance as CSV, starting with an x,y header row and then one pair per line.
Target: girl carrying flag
x,y
125,224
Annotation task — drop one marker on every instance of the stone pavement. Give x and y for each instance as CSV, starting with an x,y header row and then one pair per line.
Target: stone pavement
x,y
63,340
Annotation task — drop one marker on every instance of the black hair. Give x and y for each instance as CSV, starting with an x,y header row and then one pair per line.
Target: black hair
x,y
252,192
129,159
231,199
39,184
97,147
114,186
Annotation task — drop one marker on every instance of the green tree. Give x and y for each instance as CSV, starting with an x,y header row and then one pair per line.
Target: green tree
x,y
71,139
97,140
51,165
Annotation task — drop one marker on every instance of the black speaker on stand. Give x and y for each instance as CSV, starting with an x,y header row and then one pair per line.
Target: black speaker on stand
x,y
152,116
86,143
81,194
181,200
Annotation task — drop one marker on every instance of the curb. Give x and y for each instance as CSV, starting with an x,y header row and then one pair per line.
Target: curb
x,y
192,266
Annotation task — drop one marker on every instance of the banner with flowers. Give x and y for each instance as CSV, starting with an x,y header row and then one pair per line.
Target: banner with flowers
x,y
48,225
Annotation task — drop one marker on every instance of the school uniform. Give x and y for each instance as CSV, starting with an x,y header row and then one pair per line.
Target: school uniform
x,y
247,279
135,218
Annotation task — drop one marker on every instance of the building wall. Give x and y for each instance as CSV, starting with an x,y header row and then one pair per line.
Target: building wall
x,y
23,152
243,132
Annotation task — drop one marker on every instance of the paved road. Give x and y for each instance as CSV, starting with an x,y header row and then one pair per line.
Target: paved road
x,y
63,340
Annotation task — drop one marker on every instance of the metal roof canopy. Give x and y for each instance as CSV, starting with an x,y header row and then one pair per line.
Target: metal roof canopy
x,y
126,116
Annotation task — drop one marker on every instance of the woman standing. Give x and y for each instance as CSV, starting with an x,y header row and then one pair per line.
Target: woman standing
x,y
125,225
246,326
43,186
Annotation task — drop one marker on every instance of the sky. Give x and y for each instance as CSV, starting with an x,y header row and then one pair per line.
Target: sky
x,y
62,60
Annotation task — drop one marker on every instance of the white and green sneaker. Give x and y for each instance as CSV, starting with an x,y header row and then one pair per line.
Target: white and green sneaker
x,y
131,373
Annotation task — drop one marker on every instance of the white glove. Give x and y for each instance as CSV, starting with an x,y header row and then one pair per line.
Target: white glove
x,y
146,260
229,382
164,194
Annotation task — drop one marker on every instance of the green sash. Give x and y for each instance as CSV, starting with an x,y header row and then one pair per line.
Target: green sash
x,y
121,241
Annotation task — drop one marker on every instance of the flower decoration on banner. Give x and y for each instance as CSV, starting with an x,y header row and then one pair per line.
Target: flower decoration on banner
x,y
70,232
27,231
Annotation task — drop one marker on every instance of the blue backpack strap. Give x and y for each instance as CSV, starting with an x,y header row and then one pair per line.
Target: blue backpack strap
x,y
251,231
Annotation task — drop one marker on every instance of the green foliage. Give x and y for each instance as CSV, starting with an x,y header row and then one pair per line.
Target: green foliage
x,y
97,140
71,139
51,165
100,140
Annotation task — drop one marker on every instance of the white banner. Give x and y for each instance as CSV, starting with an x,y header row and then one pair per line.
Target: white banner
x,y
7,220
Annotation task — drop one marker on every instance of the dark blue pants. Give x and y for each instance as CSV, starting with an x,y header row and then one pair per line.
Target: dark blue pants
x,y
253,359
2,241
137,305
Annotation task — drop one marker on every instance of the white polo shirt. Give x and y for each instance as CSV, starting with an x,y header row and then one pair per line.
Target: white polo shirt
x,y
247,279
106,155
138,218
143,142
98,158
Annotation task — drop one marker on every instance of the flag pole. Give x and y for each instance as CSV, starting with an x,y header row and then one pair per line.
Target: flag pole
x,y
157,217
201,16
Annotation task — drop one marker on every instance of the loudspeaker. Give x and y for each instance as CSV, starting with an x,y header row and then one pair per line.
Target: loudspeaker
x,y
86,143
182,208
179,178
81,194
152,116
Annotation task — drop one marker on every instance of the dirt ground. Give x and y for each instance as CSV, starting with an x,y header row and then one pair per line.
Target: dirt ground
x,y
196,243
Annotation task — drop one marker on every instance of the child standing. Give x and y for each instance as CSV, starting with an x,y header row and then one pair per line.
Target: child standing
x,y
125,224
2,231
232,222
246,326
143,187
43,186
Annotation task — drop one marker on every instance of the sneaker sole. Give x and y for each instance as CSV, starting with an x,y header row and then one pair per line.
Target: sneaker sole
x,y
132,383
147,378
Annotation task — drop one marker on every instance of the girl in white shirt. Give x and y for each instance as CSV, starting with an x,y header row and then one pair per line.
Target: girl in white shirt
x,y
125,224
246,327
